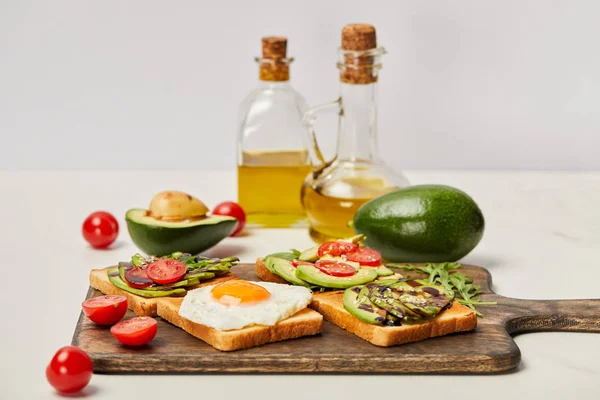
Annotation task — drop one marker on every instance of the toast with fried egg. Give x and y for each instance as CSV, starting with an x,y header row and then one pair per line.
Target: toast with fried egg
x,y
305,322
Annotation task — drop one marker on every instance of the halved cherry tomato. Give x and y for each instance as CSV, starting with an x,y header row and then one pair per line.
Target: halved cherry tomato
x,y
135,331
166,271
70,370
137,278
336,248
105,310
365,256
295,263
335,268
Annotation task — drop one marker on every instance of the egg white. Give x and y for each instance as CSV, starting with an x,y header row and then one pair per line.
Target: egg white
x,y
200,307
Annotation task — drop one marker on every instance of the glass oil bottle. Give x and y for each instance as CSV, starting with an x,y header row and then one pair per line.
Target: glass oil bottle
x,y
334,190
272,151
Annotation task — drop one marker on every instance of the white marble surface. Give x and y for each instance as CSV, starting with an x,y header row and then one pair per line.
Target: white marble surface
x,y
542,240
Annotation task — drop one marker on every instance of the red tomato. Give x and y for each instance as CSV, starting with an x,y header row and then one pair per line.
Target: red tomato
x,y
335,268
365,256
233,210
135,331
137,278
100,229
295,263
105,310
70,370
166,271
336,248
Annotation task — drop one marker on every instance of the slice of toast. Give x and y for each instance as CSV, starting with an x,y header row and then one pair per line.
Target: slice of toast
x,y
141,306
304,323
264,274
457,318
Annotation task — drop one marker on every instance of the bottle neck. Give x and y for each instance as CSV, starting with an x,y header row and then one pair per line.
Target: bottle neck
x,y
274,70
357,140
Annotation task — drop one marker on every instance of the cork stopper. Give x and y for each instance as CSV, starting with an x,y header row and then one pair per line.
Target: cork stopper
x,y
274,65
358,37
274,47
358,68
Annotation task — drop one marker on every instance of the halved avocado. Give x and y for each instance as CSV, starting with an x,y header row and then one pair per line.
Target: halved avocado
x,y
158,237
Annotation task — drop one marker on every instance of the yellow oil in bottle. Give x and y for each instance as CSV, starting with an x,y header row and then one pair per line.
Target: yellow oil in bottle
x,y
329,215
269,184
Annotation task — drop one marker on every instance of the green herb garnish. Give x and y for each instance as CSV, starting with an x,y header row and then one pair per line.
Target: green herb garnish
x,y
446,275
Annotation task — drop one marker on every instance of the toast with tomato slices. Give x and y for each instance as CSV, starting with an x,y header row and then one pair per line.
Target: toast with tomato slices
x,y
305,322
141,306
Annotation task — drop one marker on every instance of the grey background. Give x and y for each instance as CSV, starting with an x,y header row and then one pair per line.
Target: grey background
x,y
466,84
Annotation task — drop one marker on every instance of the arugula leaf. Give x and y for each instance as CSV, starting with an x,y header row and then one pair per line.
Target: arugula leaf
x,y
138,260
286,255
446,275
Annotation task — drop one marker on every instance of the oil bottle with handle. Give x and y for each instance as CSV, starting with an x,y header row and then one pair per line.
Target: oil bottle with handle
x,y
272,150
335,189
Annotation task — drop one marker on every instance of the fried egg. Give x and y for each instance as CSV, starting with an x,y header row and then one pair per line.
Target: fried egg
x,y
236,304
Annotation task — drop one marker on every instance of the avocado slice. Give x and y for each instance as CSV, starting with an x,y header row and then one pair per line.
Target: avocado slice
x,y
161,237
359,305
384,296
312,274
310,255
115,279
284,269
381,270
286,255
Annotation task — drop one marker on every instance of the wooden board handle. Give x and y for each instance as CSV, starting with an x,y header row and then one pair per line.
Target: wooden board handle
x,y
552,315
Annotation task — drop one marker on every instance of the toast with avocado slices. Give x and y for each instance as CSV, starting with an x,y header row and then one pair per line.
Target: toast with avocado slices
x,y
456,318
144,279
141,306
305,322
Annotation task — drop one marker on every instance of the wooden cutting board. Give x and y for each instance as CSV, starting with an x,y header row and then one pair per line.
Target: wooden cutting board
x,y
489,348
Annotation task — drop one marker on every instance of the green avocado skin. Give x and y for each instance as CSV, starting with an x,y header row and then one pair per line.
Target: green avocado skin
x,y
160,240
423,223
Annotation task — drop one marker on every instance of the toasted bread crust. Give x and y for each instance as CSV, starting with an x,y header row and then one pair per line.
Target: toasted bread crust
x,y
141,306
457,318
304,323
263,273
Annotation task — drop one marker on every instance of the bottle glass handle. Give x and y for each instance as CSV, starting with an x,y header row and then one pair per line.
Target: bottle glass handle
x,y
309,119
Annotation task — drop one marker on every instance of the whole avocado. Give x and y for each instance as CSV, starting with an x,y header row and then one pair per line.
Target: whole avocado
x,y
423,223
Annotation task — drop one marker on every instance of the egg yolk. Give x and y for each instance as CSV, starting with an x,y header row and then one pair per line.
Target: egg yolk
x,y
233,293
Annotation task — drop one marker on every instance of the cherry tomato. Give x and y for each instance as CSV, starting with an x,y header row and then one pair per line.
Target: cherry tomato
x,y
166,271
137,278
233,210
135,331
70,370
100,229
105,310
336,248
365,256
335,268
295,263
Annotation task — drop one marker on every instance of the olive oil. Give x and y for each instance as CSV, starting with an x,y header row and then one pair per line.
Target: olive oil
x,y
272,155
269,184
337,188
329,215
